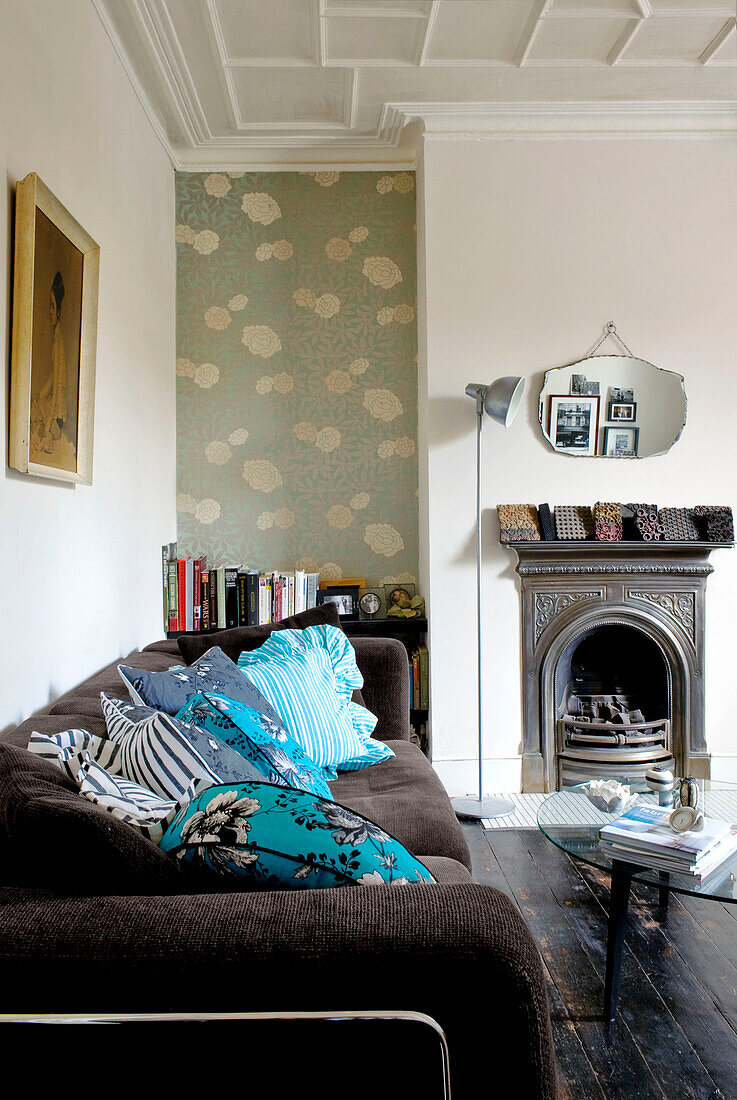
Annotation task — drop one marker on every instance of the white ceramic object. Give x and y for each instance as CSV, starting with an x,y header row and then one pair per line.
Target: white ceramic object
x,y
607,794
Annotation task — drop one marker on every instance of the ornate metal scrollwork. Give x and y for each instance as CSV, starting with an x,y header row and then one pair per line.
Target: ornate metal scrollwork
x,y
548,605
679,606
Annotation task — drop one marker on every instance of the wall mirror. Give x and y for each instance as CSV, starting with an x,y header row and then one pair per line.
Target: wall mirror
x,y
612,406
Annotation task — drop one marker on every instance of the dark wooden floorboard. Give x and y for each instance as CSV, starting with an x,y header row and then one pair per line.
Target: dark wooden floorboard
x,y
676,1029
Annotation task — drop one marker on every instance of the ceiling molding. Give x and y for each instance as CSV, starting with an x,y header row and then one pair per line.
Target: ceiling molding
x,y
178,69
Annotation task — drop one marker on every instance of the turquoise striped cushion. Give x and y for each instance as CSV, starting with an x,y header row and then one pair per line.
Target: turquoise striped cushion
x,y
308,676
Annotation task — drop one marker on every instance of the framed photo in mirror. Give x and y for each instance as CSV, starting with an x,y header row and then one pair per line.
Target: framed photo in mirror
x,y
573,423
621,442
622,410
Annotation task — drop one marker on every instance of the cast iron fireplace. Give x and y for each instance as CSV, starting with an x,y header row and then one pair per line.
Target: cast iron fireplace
x,y
612,660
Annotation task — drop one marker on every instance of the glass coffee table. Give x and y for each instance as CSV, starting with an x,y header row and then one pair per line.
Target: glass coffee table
x,y
572,823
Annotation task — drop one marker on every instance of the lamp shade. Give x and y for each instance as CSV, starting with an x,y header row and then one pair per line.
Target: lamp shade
x,y
503,397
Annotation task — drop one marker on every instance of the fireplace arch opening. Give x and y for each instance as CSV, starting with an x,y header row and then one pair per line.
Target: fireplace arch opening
x,y
612,705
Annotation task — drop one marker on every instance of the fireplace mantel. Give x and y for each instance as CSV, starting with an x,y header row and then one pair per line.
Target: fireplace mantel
x,y
656,587
584,557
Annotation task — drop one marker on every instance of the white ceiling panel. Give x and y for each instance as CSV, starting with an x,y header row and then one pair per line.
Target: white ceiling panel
x,y
577,39
596,7
373,40
674,38
471,30
292,98
726,49
309,83
283,32
695,7
381,7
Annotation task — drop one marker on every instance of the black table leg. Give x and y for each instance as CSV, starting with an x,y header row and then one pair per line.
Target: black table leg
x,y
663,891
618,901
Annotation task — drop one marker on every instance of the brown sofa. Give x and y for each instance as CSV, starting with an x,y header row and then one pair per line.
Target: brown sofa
x,y
152,940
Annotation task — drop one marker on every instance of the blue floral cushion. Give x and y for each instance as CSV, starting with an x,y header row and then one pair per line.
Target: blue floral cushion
x,y
266,745
309,676
214,671
276,838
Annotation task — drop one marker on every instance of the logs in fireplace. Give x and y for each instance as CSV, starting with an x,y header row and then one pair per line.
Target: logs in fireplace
x,y
608,736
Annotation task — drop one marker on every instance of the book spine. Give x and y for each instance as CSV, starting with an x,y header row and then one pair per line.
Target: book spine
x,y
261,599
205,599
189,594
165,583
424,677
231,598
242,598
173,612
417,695
221,597
252,592
213,599
197,594
410,673
290,591
312,589
181,588
299,592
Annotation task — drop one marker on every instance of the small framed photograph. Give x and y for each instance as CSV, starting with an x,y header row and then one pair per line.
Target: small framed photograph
x,y
578,381
616,393
622,410
345,598
621,442
372,603
590,389
573,423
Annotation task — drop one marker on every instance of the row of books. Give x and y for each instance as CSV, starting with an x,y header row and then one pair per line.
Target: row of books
x,y
201,597
643,836
419,678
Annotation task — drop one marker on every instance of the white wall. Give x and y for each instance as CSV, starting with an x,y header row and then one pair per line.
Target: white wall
x,y
80,565
528,248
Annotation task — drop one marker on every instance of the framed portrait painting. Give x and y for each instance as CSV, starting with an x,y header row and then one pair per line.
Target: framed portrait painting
x,y
573,423
52,369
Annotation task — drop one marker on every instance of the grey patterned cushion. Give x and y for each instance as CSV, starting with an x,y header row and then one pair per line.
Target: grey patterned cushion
x,y
213,671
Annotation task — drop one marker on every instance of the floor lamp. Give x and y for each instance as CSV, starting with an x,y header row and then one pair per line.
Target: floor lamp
x,y
500,400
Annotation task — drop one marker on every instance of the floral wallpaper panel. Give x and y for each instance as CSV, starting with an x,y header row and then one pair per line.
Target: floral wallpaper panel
x,y
297,371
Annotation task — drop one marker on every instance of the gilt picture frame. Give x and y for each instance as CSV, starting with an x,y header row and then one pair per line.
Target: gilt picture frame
x,y
54,339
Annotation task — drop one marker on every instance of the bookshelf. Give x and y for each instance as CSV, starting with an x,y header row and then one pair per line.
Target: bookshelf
x,y
412,633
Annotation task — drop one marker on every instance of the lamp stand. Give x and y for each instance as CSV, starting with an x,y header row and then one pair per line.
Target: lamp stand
x,y
480,807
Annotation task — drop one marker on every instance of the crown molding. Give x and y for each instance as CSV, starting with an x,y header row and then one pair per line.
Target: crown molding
x,y
478,121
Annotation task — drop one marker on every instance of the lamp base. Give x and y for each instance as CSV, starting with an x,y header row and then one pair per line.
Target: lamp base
x,y
479,808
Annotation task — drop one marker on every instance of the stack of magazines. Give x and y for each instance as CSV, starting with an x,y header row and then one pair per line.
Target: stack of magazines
x,y
643,836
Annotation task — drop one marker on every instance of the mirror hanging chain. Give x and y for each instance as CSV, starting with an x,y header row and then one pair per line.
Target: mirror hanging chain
x,y
610,330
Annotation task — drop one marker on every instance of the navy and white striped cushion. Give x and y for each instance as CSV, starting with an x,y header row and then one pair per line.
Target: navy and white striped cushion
x,y
309,676
128,801
68,748
166,755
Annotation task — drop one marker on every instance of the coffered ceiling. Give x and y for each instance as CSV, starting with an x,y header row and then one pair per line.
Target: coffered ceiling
x,y
251,83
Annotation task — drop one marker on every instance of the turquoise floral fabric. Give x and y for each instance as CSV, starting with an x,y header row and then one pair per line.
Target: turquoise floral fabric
x,y
297,371
276,838
263,743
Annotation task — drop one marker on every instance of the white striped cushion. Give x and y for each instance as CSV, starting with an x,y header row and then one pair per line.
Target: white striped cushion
x,y
308,676
128,801
374,752
68,747
155,751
